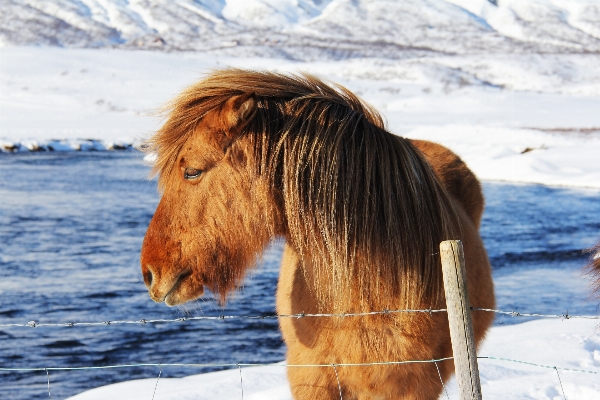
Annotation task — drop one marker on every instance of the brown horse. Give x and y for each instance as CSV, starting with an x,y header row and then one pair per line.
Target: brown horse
x,y
245,157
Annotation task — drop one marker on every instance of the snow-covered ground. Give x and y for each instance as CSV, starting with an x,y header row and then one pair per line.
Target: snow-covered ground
x,y
526,118
572,344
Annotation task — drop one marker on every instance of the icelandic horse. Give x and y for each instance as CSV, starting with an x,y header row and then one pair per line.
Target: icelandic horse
x,y
245,157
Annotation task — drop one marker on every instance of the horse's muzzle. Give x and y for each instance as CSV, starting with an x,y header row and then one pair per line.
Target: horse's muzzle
x,y
172,290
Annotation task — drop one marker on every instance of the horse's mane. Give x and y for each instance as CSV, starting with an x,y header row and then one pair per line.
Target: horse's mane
x,y
362,206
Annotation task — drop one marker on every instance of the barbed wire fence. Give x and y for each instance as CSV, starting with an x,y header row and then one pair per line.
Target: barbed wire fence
x,y
239,366
512,313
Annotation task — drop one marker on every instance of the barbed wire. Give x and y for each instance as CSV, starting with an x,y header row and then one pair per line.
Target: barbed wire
x,y
538,365
245,365
35,324
519,314
222,365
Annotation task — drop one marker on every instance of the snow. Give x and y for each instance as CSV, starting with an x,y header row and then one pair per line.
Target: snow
x,y
273,13
523,118
260,383
538,20
521,155
285,27
572,344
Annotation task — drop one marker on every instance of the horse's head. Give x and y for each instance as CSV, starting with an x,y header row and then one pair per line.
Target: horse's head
x,y
296,158
212,220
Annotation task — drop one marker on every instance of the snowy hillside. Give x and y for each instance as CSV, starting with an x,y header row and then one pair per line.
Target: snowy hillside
x,y
308,29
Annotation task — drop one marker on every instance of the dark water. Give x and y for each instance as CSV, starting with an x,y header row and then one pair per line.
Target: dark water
x,y
71,227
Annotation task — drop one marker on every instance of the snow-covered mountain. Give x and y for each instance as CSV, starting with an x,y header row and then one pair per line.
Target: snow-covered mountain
x,y
308,29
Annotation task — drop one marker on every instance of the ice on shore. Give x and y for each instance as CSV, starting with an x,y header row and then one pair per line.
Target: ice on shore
x,y
30,145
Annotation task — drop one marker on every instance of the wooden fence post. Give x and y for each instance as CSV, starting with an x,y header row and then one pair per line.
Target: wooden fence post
x,y
459,317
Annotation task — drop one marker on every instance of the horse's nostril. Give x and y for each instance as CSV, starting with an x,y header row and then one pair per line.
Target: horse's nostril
x,y
148,278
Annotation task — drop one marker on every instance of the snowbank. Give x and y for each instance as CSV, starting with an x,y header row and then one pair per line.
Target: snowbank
x,y
571,344
543,129
522,155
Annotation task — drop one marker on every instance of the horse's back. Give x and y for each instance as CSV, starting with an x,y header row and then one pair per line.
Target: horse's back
x,y
457,178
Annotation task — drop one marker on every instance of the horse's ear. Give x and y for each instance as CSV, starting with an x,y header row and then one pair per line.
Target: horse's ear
x,y
238,111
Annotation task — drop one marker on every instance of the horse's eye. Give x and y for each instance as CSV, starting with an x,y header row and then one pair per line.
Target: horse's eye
x,y
192,173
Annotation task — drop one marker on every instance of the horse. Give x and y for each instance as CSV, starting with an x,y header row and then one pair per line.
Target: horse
x,y
246,157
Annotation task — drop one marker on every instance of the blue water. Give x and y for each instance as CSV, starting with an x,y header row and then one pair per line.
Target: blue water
x,y
71,228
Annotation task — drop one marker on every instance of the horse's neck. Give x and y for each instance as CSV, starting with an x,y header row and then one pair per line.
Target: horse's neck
x,y
300,284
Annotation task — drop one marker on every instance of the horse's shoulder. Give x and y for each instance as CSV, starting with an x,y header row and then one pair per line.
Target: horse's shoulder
x,y
455,175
